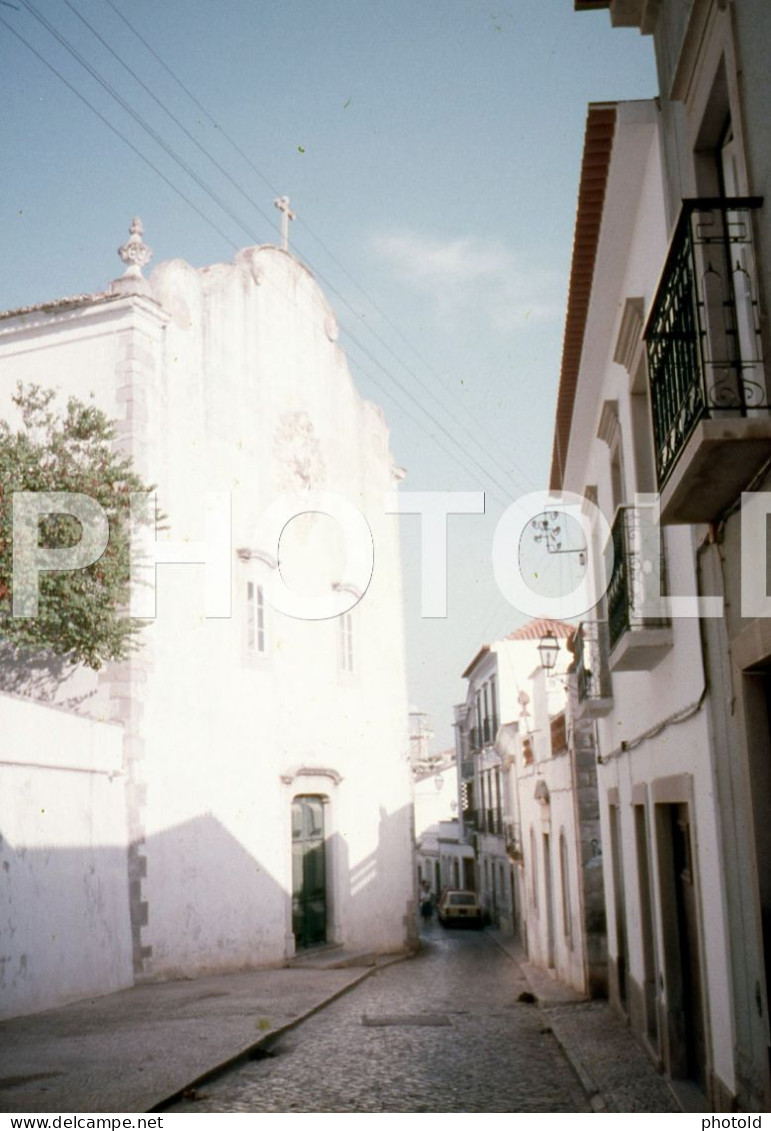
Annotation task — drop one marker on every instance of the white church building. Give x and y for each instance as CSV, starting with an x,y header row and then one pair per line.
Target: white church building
x,y
242,789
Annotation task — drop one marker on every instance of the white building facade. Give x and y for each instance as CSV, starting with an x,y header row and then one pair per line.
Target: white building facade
x,y
440,850
563,926
486,809
706,343
266,756
529,805
642,670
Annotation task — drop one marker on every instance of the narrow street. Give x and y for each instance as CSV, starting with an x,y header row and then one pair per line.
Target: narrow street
x,y
443,1032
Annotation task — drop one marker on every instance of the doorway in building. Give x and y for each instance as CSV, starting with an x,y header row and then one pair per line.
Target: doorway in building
x,y
309,872
757,706
549,888
619,903
687,1035
469,875
646,925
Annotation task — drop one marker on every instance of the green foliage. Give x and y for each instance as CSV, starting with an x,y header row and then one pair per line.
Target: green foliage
x,y
82,613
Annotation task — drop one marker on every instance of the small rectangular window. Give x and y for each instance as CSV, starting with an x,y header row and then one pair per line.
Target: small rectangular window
x,y
494,706
255,618
346,642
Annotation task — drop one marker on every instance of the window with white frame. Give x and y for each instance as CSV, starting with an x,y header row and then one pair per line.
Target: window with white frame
x,y
255,618
346,642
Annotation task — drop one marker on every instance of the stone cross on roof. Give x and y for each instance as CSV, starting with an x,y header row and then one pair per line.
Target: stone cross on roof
x,y
282,203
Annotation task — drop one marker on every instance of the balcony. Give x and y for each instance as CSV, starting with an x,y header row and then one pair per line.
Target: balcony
x,y
511,832
638,635
488,821
468,812
709,401
486,734
591,671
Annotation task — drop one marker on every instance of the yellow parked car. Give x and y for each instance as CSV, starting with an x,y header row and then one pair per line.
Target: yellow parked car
x,y
459,909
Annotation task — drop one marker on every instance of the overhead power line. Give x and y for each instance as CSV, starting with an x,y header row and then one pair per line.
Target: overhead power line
x,y
141,121
263,177
120,135
322,243
138,118
250,200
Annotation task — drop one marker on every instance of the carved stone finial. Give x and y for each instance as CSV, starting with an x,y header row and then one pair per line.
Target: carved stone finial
x,y
134,252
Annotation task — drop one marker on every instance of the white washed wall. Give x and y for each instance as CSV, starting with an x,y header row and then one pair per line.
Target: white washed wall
x,y
64,915
230,379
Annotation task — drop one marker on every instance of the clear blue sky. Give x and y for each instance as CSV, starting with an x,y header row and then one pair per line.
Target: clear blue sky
x,y
431,149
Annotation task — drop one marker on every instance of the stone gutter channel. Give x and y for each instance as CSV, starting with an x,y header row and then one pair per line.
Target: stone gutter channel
x,y
141,1048
262,1046
144,1048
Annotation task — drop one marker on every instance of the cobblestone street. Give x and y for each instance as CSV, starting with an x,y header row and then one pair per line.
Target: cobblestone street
x,y
443,1032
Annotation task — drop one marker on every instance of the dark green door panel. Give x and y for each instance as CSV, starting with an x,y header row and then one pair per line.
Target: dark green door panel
x,y
309,878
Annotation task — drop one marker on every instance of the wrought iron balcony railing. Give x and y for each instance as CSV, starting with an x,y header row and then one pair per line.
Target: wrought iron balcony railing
x,y
703,335
590,647
511,832
489,821
468,812
637,579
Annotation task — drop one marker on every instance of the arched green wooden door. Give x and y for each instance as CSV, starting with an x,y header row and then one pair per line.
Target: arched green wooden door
x,y
309,872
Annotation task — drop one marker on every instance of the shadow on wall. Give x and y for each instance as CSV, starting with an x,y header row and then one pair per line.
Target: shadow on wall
x,y
382,880
46,678
64,925
206,904
73,926
211,905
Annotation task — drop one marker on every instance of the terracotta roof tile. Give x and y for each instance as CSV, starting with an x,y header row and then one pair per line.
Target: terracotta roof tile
x,y
598,144
535,629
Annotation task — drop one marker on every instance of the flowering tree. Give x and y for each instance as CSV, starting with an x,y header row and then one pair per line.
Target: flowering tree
x,y
81,612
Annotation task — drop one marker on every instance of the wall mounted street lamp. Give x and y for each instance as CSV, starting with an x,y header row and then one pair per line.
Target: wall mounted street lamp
x,y
547,530
547,650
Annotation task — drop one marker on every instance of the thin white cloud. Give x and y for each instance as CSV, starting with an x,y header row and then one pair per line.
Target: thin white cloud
x,y
430,260
468,272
